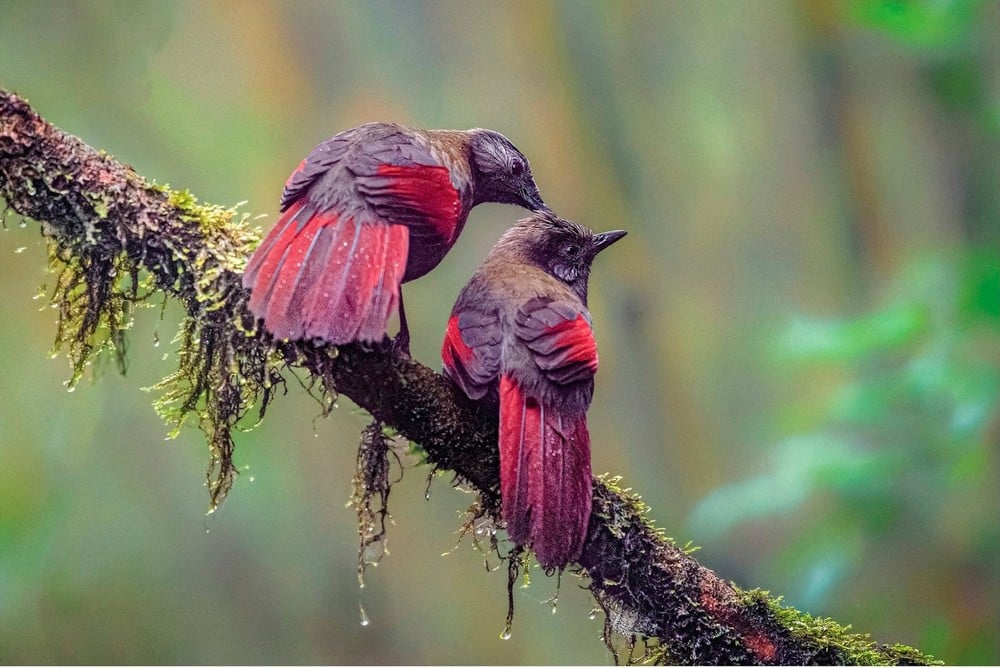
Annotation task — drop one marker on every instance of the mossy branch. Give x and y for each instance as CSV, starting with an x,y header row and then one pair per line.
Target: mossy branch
x,y
118,241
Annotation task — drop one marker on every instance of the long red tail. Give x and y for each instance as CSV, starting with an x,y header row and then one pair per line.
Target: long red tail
x,y
321,275
545,484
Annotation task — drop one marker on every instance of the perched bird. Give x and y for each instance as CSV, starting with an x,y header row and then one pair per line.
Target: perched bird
x,y
520,335
367,210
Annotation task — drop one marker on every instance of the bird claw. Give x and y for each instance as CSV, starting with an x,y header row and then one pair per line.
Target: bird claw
x,y
400,345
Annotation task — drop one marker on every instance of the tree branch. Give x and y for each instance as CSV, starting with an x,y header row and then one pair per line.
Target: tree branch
x,y
117,240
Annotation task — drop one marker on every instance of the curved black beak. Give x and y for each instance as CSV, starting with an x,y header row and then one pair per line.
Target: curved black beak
x,y
605,239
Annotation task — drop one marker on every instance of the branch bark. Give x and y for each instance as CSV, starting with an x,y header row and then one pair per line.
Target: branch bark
x,y
117,239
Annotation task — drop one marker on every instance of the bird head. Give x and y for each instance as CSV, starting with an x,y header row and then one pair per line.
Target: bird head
x,y
562,248
501,173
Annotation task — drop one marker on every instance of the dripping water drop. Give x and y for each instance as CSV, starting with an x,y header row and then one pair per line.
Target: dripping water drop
x,y
364,615
505,634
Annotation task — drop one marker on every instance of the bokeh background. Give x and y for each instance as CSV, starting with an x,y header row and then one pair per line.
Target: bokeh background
x,y
800,338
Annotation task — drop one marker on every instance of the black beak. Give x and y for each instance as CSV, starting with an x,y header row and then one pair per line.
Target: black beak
x,y
605,239
533,200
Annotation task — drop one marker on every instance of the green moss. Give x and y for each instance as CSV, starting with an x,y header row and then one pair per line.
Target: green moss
x,y
224,367
626,507
830,637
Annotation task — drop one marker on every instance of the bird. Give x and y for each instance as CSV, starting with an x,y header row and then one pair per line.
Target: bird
x,y
520,339
373,207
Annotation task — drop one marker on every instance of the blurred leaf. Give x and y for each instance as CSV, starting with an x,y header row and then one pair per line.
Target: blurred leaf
x,y
820,558
980,296
903,442
920,23
799,467
808,339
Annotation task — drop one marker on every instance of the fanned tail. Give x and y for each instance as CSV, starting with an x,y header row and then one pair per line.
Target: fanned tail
x,y
317,274
545,481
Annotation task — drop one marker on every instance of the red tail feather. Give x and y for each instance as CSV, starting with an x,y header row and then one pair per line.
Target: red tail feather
x,y
545,482
327,277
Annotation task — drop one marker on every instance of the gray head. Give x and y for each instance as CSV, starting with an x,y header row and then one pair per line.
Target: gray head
x,y
501,173
561,247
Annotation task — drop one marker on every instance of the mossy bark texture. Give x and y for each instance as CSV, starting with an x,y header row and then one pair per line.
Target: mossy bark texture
x,y
117,241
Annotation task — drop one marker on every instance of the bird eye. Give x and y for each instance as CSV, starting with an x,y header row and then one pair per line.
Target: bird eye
x,y
516,167
571,250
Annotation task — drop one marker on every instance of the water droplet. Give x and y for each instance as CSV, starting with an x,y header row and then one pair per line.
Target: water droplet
x,y
20,249
252,478
364,615
593,613
23,224
505,634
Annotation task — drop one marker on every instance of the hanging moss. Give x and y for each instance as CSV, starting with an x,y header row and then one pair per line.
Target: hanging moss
x,y
225,368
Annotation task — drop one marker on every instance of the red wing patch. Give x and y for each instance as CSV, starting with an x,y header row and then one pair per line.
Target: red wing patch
x,y
559,335
426,189
576,339
454,350
472,349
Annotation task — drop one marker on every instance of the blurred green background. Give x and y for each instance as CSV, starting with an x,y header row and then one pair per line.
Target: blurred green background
x,y
800,338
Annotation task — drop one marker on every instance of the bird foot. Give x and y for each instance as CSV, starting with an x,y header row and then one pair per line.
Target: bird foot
x,y
401,345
